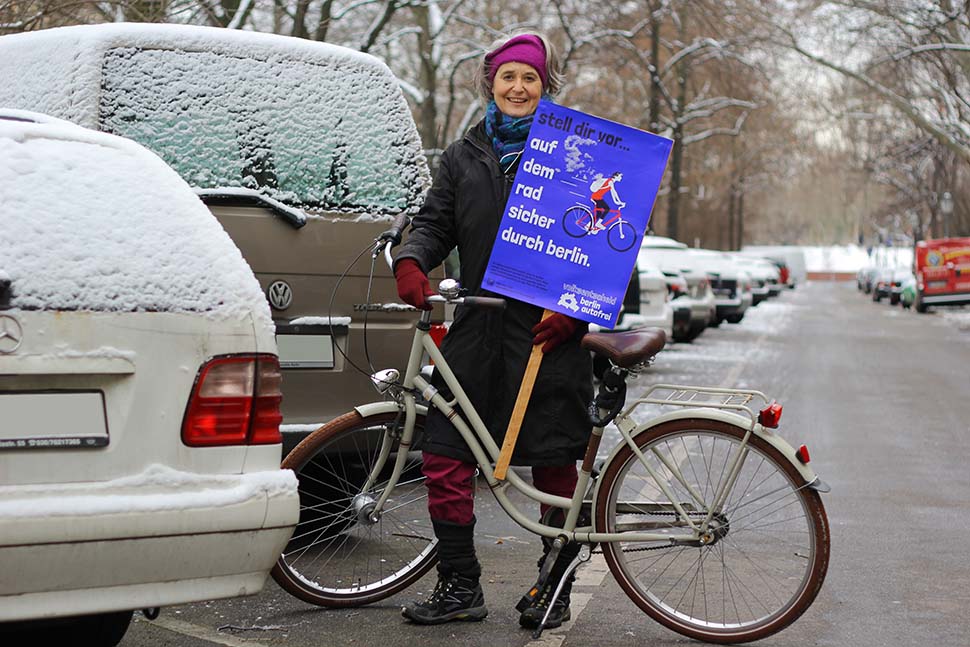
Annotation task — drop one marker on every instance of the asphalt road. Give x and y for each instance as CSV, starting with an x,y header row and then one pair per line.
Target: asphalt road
x,y
882,399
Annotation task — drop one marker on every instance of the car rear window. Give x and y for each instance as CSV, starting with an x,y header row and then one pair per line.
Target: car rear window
x,y
324,135
89,221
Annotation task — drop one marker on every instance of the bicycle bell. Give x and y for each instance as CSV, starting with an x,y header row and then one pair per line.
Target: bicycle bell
x,y
449,288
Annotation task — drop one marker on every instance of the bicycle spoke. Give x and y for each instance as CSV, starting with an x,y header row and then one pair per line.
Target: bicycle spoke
x,y
746,567
339,554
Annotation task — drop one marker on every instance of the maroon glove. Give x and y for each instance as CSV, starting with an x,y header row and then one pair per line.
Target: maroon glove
x,y
412,284
554,330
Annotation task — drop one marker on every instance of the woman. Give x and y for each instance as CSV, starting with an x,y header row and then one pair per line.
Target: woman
x,y
488,349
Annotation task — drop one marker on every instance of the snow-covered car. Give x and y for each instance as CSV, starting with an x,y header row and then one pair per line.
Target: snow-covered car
x,y
888,283
304,151
672,257
907,291
649,307
765,277
139,392
730,283
645,305
793,259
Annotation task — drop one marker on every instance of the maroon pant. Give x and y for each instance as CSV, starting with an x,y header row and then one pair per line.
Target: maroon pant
x,y
451,495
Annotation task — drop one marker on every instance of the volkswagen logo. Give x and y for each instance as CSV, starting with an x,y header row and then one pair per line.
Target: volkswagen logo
x,y
280,295
11,334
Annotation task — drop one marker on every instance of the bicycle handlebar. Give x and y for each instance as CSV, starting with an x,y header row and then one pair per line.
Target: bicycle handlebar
x,y
484,302
475,302
392,237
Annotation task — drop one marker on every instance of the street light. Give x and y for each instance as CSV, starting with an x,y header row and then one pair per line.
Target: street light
x,y
946,208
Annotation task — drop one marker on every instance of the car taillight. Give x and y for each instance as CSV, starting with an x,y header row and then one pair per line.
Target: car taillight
x,y
235,401
675,290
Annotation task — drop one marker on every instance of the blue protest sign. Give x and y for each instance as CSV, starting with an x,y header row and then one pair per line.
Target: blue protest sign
x,y
579,206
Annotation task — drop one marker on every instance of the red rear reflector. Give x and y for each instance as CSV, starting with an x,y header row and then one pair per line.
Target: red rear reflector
x,y
770,415
802,454
235,401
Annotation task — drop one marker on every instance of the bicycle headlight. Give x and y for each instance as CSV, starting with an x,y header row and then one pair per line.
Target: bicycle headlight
x,y
384,380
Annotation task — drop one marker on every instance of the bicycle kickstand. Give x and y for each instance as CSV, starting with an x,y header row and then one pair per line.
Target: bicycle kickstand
x,y
584,554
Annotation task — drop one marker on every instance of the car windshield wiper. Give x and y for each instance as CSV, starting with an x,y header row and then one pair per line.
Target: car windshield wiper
x,y
238,195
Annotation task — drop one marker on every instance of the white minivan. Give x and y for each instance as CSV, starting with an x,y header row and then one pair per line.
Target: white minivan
x,y
139,392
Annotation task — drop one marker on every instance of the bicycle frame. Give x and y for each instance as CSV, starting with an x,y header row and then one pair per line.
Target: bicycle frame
x,y
607,222
486,451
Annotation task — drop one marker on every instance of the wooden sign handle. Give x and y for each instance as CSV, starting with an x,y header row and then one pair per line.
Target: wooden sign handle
x,y
521,404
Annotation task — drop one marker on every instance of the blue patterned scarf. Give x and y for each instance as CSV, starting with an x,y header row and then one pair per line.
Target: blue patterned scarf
x,y
508,134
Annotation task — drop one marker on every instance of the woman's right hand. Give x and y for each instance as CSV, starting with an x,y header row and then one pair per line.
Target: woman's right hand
x,y
412,284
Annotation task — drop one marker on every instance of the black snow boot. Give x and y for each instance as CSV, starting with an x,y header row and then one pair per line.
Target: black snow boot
x,y
534,604
458,594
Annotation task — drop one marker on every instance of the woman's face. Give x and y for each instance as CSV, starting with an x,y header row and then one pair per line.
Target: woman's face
x,y
517,88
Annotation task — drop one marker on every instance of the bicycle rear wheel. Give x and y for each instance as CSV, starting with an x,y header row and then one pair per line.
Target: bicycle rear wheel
x,y
577,221
770,540
338,556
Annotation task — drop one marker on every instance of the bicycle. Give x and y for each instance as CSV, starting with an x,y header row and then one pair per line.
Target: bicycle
x,y
578,221
710,522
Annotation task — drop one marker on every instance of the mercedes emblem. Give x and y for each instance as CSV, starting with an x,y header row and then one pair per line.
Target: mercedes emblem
x,y
280,295
11,334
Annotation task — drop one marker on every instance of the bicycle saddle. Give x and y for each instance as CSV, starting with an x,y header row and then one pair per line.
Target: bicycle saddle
x,y
628,348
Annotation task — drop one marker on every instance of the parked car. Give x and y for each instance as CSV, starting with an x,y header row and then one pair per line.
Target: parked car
x,y
898,279
907,291
731,284
648,301
673,259
791,256
886,284
139,392
678,295
863,278
764,277
942,268
645,305
304,151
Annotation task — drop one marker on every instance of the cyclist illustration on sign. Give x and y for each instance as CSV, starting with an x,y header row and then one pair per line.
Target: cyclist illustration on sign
x,y
579,220
600,187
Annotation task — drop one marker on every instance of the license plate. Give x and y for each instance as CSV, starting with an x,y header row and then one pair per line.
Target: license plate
x,y
305,351
30,420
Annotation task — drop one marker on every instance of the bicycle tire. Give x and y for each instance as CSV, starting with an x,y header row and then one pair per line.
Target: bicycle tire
x,y
773,527
335,558
577,221
621,236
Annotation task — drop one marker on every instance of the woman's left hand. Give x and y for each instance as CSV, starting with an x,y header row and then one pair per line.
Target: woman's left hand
x,y
554,330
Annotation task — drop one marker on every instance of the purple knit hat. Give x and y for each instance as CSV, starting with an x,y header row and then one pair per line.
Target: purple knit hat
x,y
524,48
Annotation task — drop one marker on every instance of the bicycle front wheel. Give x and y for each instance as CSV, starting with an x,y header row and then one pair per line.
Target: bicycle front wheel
x,y
766,552
621,236
577,221
339,555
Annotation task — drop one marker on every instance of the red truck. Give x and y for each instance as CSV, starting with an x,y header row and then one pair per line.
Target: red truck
x,y
942,269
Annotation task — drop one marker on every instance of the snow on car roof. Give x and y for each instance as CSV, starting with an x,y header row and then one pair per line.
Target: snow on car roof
x,y
320,127
91,221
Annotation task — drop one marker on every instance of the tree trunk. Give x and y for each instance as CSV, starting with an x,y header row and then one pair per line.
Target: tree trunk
x,y
653,109
427,110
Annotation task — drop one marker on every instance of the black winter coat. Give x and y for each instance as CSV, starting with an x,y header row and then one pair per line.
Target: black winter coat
x,y
487,348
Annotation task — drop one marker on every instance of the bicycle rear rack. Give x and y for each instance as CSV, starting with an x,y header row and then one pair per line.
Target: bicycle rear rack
x,y
678,395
